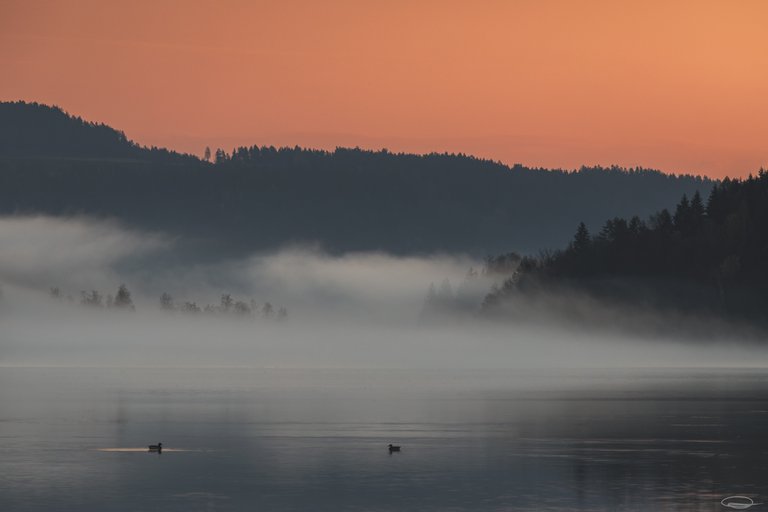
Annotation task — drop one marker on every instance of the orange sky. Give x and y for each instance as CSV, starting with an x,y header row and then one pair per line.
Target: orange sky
x,y
680,86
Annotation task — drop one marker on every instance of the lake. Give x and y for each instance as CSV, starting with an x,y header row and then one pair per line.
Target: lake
x,y
282,439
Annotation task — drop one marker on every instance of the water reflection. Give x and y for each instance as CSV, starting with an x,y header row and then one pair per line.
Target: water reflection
x,y
75,439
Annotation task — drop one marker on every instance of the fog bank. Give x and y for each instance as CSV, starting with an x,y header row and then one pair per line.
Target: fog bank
x,y
355,310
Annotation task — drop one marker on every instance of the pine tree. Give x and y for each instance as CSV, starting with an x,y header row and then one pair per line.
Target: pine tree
x,y
682,214
581,240
123,298
697,207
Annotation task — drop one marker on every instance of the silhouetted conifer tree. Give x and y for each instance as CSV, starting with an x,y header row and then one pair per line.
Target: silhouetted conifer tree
x,y
581,240
123,298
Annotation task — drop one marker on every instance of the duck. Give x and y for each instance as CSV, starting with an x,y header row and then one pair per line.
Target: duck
x,y
156,447
393,448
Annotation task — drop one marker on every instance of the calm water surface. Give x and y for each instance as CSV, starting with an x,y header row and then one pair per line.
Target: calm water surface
x,y
255,439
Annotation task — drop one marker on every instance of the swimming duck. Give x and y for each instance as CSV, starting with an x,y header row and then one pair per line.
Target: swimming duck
x,y
393,448
156,447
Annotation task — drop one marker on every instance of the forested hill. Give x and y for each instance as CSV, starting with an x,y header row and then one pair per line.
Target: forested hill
x,y
345,200
706,255
35,130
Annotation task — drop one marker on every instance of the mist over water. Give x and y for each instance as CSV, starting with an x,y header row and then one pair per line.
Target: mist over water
x,y
355,310
296,413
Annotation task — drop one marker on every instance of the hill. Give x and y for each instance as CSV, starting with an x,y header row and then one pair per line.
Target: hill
x,y
35,130
704,257
261,198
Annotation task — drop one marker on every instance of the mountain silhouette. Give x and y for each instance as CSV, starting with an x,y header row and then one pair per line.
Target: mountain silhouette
x,y
349,199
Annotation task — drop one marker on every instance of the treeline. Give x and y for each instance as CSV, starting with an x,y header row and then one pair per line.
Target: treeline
x,y
262,198
33,129
446,302
95,299
705,255
228,305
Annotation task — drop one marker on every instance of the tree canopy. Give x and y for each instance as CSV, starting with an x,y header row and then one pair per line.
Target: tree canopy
x,y
712,256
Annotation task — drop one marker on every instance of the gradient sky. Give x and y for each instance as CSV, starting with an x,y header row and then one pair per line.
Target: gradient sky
x,y
677,85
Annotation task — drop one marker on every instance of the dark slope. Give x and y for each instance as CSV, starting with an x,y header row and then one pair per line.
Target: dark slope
x,y
346,200
707,256
35,130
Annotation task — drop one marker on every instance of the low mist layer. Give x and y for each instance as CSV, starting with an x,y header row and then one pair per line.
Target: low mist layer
x,y
293,308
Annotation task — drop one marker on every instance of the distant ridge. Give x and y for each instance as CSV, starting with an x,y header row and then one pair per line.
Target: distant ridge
x,y
36,130
262,198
